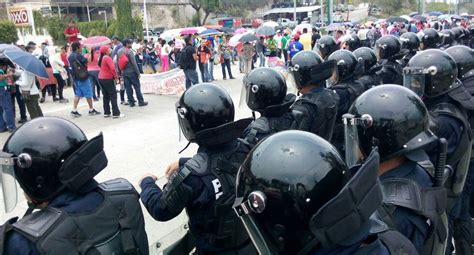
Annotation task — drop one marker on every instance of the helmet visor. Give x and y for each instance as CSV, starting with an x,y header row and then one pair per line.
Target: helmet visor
x,y
414,78
7,180
182,123
314,75
351,137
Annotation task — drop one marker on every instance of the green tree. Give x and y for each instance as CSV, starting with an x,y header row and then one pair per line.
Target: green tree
x,y
56,27
8,33
442,7
125,22
206,6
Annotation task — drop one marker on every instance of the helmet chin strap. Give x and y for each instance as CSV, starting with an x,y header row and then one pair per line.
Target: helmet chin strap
x,y
187,145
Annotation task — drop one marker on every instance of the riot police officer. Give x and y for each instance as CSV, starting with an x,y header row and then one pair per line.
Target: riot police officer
x,y
325,46
433,74
266,93
387,50
429,39
302,200
344,84
315,111
369,78
394,119
55,165
459,35
410,45
464,58
447,38
471,37
204,185
350,42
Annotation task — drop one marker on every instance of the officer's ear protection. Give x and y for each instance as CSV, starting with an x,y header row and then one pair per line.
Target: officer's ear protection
x,y
83,164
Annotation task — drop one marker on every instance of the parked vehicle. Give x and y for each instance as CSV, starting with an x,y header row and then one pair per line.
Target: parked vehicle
x,y
286,22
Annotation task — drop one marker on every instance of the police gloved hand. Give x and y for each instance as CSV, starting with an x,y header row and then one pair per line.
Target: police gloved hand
x,y
171,168
145,176
25,94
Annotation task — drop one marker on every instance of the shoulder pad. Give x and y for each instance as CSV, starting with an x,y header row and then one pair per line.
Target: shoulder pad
x,y
402,192
37,224
260,124
198,163
118,184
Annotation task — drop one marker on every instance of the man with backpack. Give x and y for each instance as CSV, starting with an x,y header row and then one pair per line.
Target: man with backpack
x,y
130,73
81,79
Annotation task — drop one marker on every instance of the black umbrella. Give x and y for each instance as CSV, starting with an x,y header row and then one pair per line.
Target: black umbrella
x,y
248,38
420,18
265,31
226,30
396,19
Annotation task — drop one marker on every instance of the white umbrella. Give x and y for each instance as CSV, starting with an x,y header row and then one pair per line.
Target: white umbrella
x,y
271,24
234,40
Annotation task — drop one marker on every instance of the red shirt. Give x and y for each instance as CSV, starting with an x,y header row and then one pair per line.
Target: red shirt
x,y
64,59
71,31
107,69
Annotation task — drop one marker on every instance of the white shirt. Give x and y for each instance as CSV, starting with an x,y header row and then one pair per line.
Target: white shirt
x,y
27,83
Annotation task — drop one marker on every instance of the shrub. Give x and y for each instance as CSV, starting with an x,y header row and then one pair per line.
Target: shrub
x,y
8,33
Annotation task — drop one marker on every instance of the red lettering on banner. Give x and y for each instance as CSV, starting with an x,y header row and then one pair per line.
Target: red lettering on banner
x,y
20,17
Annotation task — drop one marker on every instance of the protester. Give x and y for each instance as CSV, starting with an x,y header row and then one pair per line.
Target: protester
x,y
204,54
260,47
164,55
59,73
7,119
130,73
187,62
30,93
107,78
315,37
16,96
246,57
81,80
72,32
93,70
294,47
285,41
305,39
211,46
226,54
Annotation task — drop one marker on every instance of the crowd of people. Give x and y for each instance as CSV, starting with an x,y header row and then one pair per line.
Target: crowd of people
x,y
372,157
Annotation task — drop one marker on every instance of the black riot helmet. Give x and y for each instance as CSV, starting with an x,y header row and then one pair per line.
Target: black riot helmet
x,y
264,87
367,56
308,68
325,46
429,39
51,154
447,37
410,41
431,73
350,42
346,63
391,117
458,34
202,107
464,58
387,47
303,199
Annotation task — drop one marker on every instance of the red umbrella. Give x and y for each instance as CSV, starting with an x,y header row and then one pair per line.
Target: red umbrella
x,y
96,41
188,31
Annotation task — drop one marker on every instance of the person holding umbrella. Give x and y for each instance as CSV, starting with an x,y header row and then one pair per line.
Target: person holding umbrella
x,y
248,51
7,119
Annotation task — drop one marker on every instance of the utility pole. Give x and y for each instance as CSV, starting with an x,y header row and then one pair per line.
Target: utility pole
x,y
322,13
146,20
294,12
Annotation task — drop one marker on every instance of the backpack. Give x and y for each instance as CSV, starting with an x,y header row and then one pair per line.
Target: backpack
x,y
80,70
123,60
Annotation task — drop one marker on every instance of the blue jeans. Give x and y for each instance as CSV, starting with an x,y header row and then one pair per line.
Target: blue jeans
x,y
204,72
191,77
132,82
6,110
262,59
21,104
211,70
94,78
225,64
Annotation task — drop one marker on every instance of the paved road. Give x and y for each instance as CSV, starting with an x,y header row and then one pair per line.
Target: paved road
x,y
145,141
